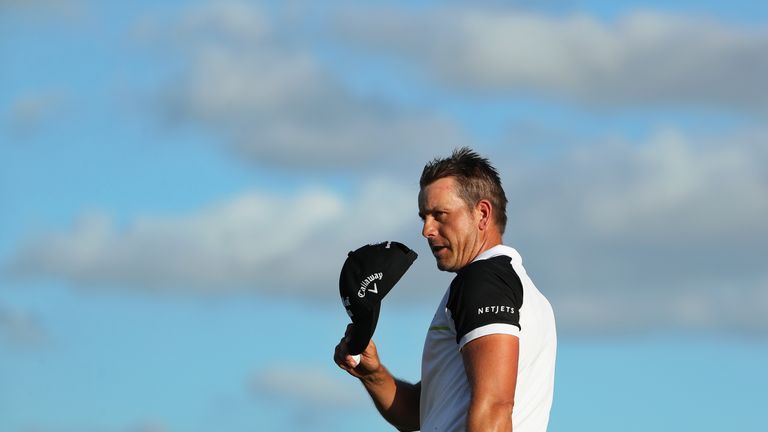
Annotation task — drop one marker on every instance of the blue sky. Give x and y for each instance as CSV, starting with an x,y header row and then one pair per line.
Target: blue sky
x,y
180,183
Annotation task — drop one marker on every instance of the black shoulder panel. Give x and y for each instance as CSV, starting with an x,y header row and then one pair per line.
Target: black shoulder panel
x,y
485,292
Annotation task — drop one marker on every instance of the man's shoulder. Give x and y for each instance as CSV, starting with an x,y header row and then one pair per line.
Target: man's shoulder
x,y
483,268
492,274
485,298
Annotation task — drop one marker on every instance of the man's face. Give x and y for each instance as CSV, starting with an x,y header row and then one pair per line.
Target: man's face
x,y
450,226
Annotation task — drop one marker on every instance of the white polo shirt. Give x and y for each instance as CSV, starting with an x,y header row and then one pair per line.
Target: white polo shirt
x,y
491,295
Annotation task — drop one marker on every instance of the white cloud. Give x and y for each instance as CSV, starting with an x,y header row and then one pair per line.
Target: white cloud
x,y
275,103
313,394
258,241
681,307
620,235
310,386
672,186
668,232
642,58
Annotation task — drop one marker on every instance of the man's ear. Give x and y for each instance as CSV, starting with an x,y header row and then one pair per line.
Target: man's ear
x,y
484,211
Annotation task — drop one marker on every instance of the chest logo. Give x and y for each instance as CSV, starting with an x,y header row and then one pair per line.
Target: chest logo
x,y
495,309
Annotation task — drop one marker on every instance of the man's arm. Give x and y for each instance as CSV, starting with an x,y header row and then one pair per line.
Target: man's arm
x,y
491,366
396,400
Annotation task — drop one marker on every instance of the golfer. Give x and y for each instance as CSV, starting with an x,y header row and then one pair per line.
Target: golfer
x,y
489,355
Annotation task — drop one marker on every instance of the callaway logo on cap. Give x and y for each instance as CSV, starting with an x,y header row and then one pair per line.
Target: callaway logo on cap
x,y
368,274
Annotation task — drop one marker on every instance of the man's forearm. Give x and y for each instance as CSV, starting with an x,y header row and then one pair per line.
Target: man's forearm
x,y
396,400
489,417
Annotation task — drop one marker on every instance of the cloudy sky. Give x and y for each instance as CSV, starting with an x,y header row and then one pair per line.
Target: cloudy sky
x,y
180,183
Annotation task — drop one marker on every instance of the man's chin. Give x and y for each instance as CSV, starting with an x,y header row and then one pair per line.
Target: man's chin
x,y
442,266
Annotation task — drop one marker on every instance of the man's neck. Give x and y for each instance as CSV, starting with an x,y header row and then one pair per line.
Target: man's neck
x,y
487,243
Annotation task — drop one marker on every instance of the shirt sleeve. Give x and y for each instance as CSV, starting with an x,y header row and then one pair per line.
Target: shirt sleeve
x,y
485,298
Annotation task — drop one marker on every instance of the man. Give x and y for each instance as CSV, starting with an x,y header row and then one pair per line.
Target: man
x,y
489,355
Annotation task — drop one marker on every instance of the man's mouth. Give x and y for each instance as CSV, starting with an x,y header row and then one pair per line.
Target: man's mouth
x,y
437,248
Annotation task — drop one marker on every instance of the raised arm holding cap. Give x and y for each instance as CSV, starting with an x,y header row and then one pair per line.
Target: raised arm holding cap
x,y
368,274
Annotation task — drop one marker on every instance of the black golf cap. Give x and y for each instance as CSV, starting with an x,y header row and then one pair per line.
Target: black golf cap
x,y
368,274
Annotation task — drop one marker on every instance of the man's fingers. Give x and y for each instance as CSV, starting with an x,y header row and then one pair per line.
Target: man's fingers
x,y
339,353
341,356
348,332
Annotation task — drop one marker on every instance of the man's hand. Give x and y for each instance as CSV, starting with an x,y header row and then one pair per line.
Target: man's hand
x,y
369,358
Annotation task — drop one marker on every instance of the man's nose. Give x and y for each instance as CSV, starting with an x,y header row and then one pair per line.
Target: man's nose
x,y
428,230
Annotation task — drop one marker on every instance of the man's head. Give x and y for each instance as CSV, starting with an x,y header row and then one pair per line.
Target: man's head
x,y
463,207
